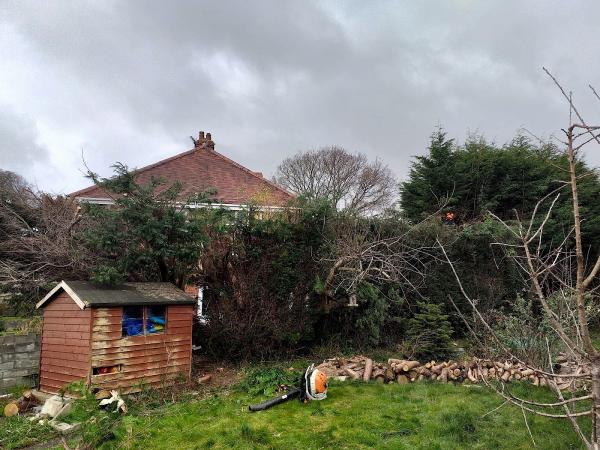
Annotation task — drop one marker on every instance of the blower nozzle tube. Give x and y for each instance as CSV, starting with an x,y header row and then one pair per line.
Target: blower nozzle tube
x,y
275,401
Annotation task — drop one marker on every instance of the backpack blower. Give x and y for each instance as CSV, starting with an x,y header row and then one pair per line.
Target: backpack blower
x,y
313,386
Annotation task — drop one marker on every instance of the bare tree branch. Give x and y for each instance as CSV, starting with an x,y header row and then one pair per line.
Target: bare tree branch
x,y
348,180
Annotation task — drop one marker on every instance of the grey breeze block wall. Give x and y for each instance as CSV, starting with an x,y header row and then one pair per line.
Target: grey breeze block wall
x,y
19,360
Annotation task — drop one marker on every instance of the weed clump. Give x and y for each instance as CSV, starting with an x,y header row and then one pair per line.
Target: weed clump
x,y
265,381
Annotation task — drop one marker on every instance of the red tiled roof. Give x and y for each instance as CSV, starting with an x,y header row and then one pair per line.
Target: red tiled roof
x,y
203,168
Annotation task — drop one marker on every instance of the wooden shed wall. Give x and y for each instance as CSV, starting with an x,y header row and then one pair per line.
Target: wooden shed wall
x,y
150,359
65,352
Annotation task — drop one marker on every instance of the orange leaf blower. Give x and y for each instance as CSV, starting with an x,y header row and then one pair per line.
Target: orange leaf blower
x,y
313,386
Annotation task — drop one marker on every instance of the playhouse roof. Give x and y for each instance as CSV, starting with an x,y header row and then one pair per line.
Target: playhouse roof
x,y
87,294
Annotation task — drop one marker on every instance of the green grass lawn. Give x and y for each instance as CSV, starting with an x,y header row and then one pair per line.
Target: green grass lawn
x,y
18,432
355,415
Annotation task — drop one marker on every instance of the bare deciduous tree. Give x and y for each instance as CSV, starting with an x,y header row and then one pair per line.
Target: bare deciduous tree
x,y
348,180
361,253
364,250
563,284
36,239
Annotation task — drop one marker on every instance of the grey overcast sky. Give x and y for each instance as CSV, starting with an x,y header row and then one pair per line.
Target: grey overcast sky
x,y
130,80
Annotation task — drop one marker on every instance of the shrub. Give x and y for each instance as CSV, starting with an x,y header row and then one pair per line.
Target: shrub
x,y
525,332
265,381
429,332
260,274
378,320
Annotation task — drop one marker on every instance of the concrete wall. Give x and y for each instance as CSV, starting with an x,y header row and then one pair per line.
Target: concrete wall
x,y
19,360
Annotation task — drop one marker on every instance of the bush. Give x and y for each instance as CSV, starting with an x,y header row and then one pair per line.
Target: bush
x,y
261,299
265,381
378,320
525,332
484,269
429,332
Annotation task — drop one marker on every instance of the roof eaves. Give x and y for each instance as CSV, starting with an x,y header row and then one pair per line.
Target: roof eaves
x,y
62,285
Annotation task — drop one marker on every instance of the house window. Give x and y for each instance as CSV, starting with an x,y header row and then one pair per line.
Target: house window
x,y
140,320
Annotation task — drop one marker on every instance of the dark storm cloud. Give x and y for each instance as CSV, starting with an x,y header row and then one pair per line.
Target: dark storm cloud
x,y
130,81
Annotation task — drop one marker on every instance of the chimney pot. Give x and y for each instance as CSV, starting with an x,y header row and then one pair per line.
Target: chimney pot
x,y
204,141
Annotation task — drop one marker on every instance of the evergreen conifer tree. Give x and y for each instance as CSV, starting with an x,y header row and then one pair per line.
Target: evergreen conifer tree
x,y
429,331
430,183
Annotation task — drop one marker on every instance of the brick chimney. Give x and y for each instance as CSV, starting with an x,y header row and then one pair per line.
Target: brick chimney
x,y
204,141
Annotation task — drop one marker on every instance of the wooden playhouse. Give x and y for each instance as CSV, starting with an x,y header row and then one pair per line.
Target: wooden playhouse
x,y
138,334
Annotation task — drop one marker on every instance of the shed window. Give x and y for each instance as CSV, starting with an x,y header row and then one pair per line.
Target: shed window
x,y
133,320
140,320
155,319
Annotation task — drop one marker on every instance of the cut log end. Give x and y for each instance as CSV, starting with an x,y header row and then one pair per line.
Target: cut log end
x,y
12,409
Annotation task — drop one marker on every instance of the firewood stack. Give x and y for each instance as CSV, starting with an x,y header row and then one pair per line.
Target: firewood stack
x,y
408,371
566,364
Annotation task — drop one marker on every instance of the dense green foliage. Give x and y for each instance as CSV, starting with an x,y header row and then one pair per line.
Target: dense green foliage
x,y
264,281
266,380
260,276
485,271
478,177
264,292
380,312
429,332
431,183
146,236
378,320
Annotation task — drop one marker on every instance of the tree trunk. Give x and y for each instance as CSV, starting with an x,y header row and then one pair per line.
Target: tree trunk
x,y
579,284
164,270
595,404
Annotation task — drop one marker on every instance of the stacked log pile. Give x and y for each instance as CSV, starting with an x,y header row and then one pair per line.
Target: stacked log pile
x,y
567,365
473,371
357,368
